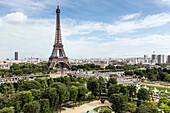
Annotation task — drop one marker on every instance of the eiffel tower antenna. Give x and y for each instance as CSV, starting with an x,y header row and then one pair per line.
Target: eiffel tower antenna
x,y
58,3
58,55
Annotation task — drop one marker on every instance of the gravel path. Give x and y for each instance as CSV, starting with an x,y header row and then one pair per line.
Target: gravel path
x,y
86,107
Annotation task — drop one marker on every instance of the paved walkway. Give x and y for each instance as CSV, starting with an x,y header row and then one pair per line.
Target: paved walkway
x,y
86,107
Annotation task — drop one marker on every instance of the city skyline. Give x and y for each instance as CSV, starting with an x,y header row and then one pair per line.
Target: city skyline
x,y
90,29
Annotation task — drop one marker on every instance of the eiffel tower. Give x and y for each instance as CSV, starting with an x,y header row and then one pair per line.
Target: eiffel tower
x,y
58,55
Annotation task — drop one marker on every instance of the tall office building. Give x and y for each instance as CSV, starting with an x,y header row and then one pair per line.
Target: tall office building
x,y
146,58
168,60
164,58
160,58
154,58
16,55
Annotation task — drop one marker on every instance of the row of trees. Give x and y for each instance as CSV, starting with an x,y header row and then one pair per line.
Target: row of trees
x,y
86,67
163,64
123,67
22,68
41,95
152,74
109,67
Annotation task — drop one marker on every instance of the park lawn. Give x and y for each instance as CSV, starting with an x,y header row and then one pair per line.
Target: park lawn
x,y
151,86
129,83
102,107
157,87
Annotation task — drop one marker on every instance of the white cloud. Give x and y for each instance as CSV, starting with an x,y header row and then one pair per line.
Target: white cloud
x,y
162,2
87,27
130,16
149,21
92,38
121,47
165,1
16,18
25,5
1,23
79,27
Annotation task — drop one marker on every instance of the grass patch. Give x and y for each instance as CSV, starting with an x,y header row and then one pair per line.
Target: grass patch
x,y
129,83
102,107
157,87
103,94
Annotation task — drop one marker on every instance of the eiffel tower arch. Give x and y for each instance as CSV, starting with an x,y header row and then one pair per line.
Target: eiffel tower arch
x,y
58,55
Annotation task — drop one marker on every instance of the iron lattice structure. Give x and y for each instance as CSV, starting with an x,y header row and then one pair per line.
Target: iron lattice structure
x,y
58,55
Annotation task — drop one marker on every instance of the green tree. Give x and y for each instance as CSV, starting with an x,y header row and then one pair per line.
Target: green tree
x,y
112,67
132,90
30,84
147,107
118,89
42,82
3,101
167,78
113,75
33,107
19,99
102,85
73,93
82,91
143,94
163,100
111,81
131,107
118,102
113,89
62,92
20,82
45,106
7,88
93,85
165,108
129,73
81,80
50,81
7,110
52,96
36,94
89,82
15,86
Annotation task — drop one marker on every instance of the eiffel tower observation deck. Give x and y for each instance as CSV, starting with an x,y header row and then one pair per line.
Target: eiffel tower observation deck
x,y
58,55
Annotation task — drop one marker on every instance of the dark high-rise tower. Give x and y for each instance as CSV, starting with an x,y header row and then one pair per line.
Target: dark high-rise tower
x,y
16,55
58,55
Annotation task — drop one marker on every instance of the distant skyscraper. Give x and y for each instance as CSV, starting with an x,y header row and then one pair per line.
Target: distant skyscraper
x,y
16,55
154,58
164,58
168,60
160,58
146,58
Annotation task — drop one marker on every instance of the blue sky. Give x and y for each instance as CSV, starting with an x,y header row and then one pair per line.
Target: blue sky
x,y
90,28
